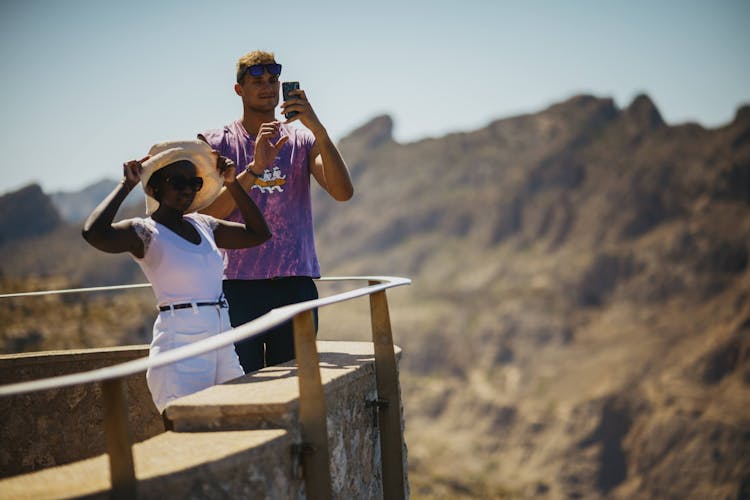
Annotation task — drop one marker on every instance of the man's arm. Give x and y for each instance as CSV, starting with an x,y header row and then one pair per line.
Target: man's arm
x,y
265,152
329,168
326,163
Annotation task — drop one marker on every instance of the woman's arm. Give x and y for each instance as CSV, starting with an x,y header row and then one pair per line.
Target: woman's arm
x,y
231,234
101,233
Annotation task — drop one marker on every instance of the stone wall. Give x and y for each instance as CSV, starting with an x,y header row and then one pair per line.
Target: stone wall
x,y
238,440
48,428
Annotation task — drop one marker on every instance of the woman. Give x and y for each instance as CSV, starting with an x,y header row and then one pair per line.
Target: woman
x,y
178,251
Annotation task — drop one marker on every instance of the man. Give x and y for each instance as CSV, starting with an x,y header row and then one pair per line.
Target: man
x,y
274,164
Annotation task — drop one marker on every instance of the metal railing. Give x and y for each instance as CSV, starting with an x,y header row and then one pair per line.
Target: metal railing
x,y
312,409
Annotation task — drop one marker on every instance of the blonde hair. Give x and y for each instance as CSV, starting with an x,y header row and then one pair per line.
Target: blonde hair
x,y
254,57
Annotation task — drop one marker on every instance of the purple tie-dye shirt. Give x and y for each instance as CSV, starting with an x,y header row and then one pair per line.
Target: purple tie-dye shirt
x,y
283,195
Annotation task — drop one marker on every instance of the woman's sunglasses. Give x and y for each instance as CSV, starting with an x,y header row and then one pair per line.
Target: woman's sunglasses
x,y
180,183
258,69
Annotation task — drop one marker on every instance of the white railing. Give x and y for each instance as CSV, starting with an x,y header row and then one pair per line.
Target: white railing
x,y
312,411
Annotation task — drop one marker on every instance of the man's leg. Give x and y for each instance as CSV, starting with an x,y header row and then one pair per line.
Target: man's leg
x,y
280,340
246,303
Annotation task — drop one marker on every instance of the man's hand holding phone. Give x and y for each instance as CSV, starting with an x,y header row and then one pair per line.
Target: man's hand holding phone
x,y
297,107
288,91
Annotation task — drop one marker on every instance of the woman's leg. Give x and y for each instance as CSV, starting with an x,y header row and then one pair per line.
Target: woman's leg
x,y
175,329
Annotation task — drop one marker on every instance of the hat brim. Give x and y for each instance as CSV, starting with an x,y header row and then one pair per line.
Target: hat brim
x,y
196,152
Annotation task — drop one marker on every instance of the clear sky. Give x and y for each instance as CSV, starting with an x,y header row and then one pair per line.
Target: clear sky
x,y
88,84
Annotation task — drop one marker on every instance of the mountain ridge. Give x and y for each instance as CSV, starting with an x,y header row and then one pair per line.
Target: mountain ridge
x,y
581,232
75,205
578,320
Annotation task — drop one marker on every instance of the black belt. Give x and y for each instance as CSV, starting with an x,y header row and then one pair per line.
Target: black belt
x,y
222,303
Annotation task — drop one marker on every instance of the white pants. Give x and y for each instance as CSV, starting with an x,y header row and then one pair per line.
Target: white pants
x,y
179,327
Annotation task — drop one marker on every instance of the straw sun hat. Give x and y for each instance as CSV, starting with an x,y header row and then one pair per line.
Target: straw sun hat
x,y
196,152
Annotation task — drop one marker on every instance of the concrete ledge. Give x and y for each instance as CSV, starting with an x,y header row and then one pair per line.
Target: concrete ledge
x,y
268,398
37,365
240,440
172,465
59,426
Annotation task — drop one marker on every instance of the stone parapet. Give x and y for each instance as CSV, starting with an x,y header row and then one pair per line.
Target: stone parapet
x,y
239,439
49,428
238,464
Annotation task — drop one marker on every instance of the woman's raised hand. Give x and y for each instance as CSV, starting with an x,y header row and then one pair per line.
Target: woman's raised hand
x,y
226,168
132,171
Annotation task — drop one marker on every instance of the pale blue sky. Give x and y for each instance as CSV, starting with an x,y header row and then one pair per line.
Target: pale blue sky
x,y
88,84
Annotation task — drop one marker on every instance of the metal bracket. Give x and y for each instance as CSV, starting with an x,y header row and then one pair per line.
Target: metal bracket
x,y
376,405
298,451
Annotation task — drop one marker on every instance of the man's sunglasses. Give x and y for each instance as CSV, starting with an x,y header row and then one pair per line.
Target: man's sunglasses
x,y
258,69
180,183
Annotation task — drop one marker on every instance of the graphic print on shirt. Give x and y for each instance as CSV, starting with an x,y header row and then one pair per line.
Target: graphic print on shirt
x,y
270,181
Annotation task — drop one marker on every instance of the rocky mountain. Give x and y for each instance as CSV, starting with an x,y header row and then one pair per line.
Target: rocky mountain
x,y
42,251
26,213
579,320
37,242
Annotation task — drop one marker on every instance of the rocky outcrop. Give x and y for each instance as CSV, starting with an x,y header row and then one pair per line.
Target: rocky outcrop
x,y
26,213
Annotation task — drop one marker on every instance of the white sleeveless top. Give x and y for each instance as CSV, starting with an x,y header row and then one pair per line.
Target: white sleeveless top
x,y
180,271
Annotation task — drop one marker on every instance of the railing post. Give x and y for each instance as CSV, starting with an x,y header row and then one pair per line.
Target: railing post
x,y
389,414
312,410
121,469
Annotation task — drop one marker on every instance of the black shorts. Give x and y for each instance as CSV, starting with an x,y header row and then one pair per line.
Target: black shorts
x,y
251,299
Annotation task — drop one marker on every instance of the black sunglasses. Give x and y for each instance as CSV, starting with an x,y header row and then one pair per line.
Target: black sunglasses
x,y
180,183
273,69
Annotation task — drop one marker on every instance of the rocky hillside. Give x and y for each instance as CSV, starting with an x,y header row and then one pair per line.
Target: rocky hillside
x,y
27,213
579,322
578,326
41,251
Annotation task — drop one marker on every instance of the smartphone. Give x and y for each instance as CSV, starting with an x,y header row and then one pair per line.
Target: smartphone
x,y
287,87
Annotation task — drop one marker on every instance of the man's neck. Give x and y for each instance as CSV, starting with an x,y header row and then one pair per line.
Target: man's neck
x,y
252,120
